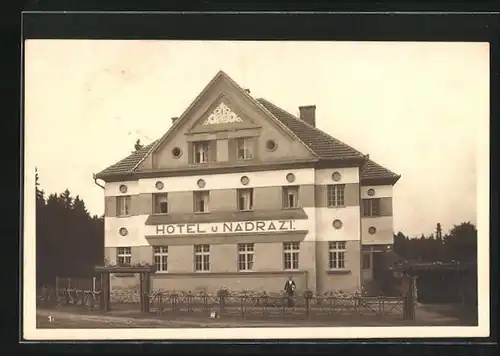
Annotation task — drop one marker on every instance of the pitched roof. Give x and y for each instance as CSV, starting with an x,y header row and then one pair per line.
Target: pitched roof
x,y
372,170
127,164
322,144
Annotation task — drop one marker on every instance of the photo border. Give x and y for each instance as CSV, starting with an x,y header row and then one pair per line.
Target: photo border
x,y
301,26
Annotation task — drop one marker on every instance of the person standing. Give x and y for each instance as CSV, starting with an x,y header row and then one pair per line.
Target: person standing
x,y
290,290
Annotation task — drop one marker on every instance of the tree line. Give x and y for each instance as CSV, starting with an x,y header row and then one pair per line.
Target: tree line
x,y
69,240
458,245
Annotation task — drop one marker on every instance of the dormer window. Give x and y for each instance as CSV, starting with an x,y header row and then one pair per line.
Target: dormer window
x,y
245,148
200,152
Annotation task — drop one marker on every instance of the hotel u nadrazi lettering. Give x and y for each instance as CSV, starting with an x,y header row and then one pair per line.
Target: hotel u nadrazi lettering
x,y
226,227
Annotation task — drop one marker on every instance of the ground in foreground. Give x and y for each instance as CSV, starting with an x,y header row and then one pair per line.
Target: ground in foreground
x,y
66,318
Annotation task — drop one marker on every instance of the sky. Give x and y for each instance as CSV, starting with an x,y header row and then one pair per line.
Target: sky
x,y
415,108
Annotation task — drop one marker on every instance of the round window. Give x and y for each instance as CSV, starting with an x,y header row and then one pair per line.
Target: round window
x,y
337,224
201,183
123,231
290,177
271,145
245,180
159,185
336,176
176,152
371,192
372,230
123,188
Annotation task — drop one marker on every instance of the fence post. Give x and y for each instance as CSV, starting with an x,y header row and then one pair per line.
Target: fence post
x,y
93,284
308,307
242,306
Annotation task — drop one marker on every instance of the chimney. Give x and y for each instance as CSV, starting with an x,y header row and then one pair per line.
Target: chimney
x,y
308,114
174,119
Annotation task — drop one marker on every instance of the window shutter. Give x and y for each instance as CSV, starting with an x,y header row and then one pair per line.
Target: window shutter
x,y
212,151
110,206
233,148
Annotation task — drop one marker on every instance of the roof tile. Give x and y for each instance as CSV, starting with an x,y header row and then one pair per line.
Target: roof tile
x,y
322,144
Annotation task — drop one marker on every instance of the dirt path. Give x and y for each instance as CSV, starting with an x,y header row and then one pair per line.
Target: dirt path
x,y
60,319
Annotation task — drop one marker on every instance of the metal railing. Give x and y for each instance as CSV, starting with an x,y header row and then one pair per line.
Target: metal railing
x,y
247,306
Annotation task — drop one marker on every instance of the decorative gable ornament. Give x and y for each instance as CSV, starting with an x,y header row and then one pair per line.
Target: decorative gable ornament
x,y
222,115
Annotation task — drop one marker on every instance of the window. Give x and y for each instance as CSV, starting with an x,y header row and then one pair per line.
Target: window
x,y
124,256
123,205
291,255
201,199
336,254
336,196
160,203
245,148
200,152
245,257
202,258
371,207
160,255
366,262
245,199
290,197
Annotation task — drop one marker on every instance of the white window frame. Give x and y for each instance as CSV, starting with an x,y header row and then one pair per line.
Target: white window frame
x,y
245,146
201,195
291,255
123,205
337,255
160,258
335,195
200,152
374,207
294,189
157,197
202,258
123,256
245,194
246,257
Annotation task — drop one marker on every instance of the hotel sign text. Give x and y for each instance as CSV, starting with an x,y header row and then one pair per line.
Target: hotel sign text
x,y
226,227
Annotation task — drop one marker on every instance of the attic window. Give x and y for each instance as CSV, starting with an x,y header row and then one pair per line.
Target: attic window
x,y
123,188
159,185
372,230
245,180
201,183
176,152
336,176
337,224
271,145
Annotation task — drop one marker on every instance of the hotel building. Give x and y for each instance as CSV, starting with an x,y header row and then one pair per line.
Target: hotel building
x,y
242,194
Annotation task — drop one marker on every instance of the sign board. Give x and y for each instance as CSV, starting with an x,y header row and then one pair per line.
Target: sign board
x,y
225,227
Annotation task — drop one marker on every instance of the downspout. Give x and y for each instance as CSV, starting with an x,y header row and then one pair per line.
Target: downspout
x,y
104,247
95,181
